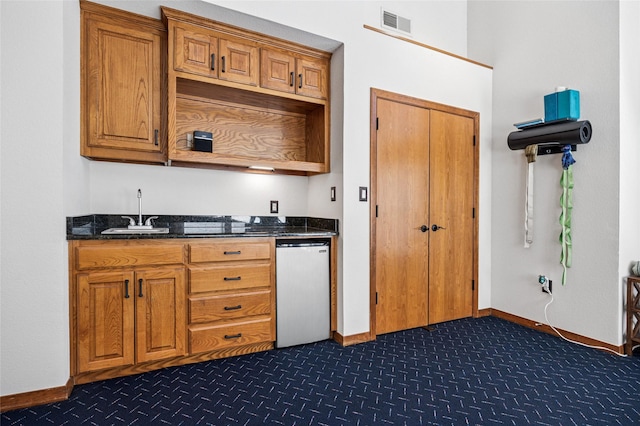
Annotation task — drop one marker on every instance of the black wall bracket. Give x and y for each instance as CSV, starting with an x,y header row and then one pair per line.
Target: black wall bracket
x,y
551,137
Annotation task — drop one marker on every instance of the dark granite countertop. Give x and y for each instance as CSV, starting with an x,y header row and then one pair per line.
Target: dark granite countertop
x,y
90,227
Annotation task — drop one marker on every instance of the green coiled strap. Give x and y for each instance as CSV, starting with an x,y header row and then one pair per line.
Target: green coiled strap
x,y
566,202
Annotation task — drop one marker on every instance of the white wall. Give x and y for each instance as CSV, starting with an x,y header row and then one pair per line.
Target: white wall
x,y
536,46
44,179
34,297
373,60
629,141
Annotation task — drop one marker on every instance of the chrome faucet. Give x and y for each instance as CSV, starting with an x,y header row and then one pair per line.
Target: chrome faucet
x,y
139,207
132,223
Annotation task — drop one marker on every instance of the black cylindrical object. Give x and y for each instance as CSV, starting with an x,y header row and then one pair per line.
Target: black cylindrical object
x,y
561,133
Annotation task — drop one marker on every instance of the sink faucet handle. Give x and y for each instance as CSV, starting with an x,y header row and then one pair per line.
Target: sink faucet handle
x,y
149,219
131,221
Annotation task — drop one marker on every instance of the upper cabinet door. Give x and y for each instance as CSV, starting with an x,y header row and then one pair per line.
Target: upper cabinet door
x,y
122,86
277,71
195,51
312,77
238,61
292,73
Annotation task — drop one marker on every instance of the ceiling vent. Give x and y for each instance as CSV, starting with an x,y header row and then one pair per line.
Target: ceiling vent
x,y
393,21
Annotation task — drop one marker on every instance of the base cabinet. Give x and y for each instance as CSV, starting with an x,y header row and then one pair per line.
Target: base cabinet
x,y
141,305
231,294
127,317
105,320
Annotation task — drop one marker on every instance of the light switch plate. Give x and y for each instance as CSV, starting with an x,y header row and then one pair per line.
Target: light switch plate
x,y
333,193
363,193
274,206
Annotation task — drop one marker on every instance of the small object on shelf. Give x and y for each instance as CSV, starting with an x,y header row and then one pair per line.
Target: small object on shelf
x,y
564,104
202,141
528,123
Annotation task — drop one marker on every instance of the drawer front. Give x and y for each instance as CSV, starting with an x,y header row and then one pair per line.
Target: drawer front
x,y
220,278
204,339
220,307
107,256
229,251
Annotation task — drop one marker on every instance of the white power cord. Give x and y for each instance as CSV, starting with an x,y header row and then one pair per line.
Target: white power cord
x,y
573,341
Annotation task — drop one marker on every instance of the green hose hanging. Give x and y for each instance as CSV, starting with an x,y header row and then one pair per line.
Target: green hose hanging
x,y
566,203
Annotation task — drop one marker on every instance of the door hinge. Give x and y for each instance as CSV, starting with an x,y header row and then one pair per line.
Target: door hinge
x,y
376,123
473,285
376,297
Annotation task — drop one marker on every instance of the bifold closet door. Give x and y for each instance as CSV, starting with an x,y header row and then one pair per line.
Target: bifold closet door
x,y
423,220
402,192
451,240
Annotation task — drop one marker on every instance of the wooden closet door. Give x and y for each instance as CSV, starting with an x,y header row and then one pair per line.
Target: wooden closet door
x,y
451,249
402,198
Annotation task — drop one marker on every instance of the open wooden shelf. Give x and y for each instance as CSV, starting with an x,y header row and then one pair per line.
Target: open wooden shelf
x,y
249,128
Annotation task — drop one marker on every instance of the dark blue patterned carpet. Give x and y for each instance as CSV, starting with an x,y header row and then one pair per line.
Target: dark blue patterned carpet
x,y
469,372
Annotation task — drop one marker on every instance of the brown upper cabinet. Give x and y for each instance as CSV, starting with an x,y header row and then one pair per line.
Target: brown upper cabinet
x,y
281,70
147,85
264,100
208,53
122,86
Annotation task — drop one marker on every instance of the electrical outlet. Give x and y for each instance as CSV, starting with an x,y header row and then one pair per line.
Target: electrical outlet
x,y
546,283
274,206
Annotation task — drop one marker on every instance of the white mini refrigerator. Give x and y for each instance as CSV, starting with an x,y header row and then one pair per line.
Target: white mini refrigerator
x,y
303,309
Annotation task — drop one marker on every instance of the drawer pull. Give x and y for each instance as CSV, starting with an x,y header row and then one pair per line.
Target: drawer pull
x,y
232,308
232,278
232,336
232,252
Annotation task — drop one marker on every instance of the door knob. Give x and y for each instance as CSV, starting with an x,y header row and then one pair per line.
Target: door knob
x,y
435,227
424,228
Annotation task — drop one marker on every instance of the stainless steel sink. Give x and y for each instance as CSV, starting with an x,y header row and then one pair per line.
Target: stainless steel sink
x,y
112,231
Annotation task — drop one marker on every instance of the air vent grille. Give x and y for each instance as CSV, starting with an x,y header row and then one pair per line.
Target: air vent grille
x,y
395,22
